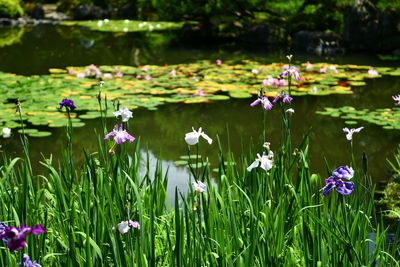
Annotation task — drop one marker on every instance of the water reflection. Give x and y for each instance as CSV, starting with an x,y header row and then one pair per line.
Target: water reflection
x,y
55,46
178,176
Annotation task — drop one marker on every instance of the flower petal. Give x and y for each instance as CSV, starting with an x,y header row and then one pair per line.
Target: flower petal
x,y
346,188
349,136
296,75
357,130
123,227
209,140
192,138
266,163
253,165
327,188
255,103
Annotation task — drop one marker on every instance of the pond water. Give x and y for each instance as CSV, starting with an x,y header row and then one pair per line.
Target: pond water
x,y
37,49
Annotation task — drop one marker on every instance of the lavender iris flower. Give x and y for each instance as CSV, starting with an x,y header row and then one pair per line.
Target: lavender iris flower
x,y
26,262
286,99
16,236
336,181
120,135
290,71
68,104
267,105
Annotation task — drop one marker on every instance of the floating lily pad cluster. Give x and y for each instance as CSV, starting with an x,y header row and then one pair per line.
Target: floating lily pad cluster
x,y
125,25
151,86
388,118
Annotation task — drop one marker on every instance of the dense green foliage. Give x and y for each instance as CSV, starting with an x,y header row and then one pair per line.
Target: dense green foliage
x,y
10,9
391,194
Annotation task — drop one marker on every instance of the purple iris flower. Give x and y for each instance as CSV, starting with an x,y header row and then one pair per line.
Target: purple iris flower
x,y
290,71
120,135
267,105
16,236
286,99
26,262
68,104
336,181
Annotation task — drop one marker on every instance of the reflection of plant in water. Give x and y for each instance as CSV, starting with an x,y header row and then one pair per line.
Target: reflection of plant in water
x,y
9,36
78,32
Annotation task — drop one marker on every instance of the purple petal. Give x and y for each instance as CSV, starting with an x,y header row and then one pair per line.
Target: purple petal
x,y
296,75
346,188
255,103
11,231
109,135
284,74
287,99
267,104
327,188
343,172
276,99
37,229
17,243
330,180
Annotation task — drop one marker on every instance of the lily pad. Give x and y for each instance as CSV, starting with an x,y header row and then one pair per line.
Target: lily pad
x,y
388,118
150,86
40,134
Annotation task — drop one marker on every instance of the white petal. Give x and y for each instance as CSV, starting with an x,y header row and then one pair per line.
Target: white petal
x,y
266,163
123,227
349,136
253,165
346,130
209,140
357,130
192,138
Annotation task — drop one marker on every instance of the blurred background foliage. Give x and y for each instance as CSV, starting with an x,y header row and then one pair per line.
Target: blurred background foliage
x,y
309,14
233,18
